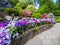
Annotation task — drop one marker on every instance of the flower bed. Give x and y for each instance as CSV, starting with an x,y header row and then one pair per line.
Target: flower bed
x,y
22,30
22,39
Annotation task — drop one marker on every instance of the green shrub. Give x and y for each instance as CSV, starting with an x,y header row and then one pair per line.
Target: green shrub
x,y
43,9
14,2
31,8
56,12
57,18
1,19
15,11
11,11
36,15
19,9
22,4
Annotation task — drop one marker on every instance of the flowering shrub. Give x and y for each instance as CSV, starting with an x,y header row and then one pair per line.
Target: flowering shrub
x,y
44,16
4,38
26,13
9,31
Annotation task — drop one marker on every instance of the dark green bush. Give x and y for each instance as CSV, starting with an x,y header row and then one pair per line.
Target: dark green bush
x,y
11,11
56,12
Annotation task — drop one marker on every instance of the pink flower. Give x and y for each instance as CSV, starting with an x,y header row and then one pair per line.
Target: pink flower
x,y
26,13
1,25
48,20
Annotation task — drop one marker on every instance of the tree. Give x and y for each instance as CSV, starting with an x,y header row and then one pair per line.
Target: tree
x,y
52,6
58,3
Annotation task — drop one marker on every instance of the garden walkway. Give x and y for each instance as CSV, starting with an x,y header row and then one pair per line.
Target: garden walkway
x,y
49,37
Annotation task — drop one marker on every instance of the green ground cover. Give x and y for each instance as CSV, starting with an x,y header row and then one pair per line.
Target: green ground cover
x,y
57,18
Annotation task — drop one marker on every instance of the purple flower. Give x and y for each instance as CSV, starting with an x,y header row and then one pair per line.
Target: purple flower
x,y
24,22
48,20
52,20
1,41
43,20
18,24
36,21
5,23
3,33
21,23
4,37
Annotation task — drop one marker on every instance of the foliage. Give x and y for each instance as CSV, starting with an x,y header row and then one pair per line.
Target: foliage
x,y
13,30
30,1
19,9
36,15
22,5
58,3
11,11
31,8
43,9
14,11
14,2
56,12
1,18
57,18
27,1
52,6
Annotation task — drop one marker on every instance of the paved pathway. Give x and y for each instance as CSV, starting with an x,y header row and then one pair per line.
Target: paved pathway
x,y
49,37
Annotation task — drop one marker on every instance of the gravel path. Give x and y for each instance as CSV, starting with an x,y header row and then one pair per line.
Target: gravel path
x,y
49,37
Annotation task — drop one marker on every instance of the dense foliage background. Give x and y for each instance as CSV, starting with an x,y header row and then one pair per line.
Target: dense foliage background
x,y
46,6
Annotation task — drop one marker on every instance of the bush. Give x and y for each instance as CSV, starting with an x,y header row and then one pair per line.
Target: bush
x,y
15,11
1,19
19,9
11,11
22,4
14,2
31,8
56,12
36,15
57,18
25,3
43,9
26,13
